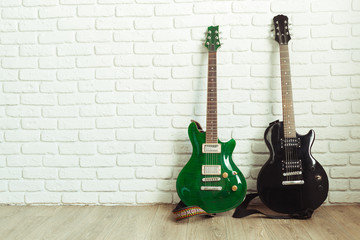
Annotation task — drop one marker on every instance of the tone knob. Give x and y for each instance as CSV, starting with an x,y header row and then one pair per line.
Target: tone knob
x,y
225,175
234,188
318,177
320,188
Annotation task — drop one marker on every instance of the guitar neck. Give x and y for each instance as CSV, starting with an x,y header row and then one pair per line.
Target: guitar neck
x,y
211,110
286,90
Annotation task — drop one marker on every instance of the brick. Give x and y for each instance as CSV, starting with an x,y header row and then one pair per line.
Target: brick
x,y
153,23
137,185
37,75
117,198
249,32
162,134
56,37
42,198
345,94
76,124
37,51
36,123
193,21
115,148
95,11
212,7
98,135
10,173
22,136
58,12
96,86
345,120
135,10
19,63
331,57
25,186
56,63
74,74
76,99
99,186
154,197
79,197
37,25
312,45
332,82
173,9
13,198
22,111
113,73
60,161
133,36
57,87
345,69
345,146
345,43
62,185
114,122
151,122
153,148
93,36
59,136
8,51
134,134
19,38
77,148
250,7
113,23
77,173
97,111
24,161
111,49
324,6
39,148
95,161
330,108
115,173
19,13
318,18
39,173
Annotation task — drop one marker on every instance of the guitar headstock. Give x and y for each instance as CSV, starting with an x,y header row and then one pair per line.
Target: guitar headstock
x,y
212,38
282,35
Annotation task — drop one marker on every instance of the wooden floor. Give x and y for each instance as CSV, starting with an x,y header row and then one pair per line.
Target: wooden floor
x,y
157,222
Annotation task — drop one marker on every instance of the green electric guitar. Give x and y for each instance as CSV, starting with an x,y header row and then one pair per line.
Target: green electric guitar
x,y
210,179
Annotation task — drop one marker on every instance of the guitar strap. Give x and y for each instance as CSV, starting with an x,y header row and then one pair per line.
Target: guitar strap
x,y
182,211
242,211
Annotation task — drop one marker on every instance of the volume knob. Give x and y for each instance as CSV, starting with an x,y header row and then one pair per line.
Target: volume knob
x,y
234,188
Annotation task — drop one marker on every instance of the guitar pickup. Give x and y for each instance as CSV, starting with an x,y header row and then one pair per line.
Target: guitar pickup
x,y
211,170
211,188
295,182
211,179
211,148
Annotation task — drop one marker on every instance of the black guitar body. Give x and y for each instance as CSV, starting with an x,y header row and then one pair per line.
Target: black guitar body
x,y
292,198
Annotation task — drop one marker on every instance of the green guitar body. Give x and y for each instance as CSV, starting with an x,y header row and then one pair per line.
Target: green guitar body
x,y
190,178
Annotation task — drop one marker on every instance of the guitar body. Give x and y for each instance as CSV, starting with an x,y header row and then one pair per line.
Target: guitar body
x,y
189,181
292,198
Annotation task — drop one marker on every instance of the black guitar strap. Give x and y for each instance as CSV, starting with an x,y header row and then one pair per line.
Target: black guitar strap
x,y
182,211
242,211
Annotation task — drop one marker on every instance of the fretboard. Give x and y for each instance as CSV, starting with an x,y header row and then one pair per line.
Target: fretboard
x,y
211,110
286,91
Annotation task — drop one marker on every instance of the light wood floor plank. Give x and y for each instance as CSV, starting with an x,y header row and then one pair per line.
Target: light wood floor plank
x,y
157,222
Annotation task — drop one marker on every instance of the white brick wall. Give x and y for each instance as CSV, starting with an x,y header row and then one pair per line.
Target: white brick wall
x,y
97,94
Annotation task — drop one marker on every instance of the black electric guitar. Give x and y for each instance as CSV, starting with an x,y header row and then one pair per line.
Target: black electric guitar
x,y
291,181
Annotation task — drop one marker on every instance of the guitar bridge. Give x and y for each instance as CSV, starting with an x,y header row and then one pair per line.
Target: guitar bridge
x,y
211,188
295,182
